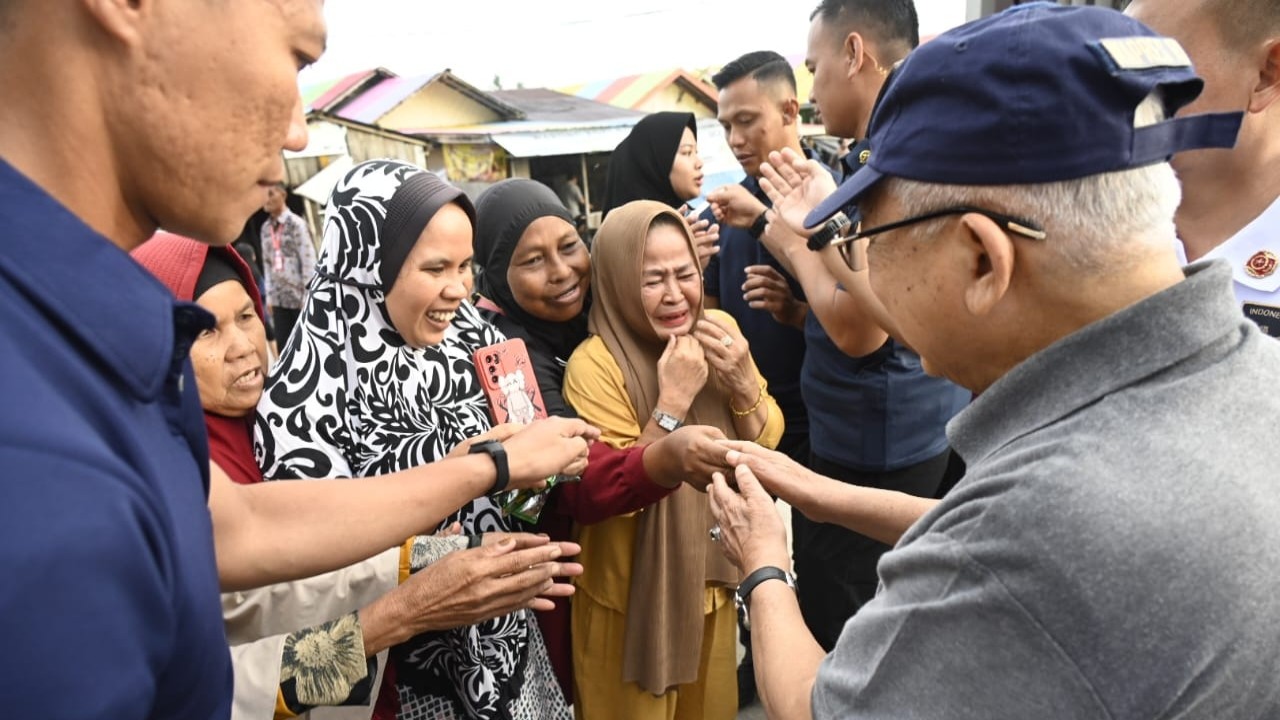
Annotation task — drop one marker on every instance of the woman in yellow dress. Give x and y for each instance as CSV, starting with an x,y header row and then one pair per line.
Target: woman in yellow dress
x,y
653,623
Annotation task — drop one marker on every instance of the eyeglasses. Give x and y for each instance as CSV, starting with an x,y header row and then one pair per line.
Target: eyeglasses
x,y
1017,226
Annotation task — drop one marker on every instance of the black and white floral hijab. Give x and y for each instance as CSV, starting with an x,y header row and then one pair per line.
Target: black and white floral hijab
x,y
349,398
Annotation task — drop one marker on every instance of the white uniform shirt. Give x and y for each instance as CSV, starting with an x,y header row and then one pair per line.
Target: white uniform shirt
x,y
1254,256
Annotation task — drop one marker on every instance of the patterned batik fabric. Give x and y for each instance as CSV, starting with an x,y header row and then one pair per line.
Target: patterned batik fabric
x,y
348,398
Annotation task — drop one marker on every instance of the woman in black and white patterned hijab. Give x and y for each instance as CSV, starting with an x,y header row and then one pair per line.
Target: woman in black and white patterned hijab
x,y
378,377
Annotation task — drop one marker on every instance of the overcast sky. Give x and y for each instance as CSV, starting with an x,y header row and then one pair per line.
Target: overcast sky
x,y
555,43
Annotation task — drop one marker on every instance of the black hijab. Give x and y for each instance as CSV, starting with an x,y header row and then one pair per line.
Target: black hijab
x,y
503,212
640,168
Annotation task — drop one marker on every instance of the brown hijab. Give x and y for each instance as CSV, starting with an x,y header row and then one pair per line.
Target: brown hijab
x,y
674,558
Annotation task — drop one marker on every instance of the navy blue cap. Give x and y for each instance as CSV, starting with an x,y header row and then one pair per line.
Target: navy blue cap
x,y
1037,93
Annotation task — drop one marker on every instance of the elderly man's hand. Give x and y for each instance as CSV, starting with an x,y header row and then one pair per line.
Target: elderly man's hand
x,y
795,186
778,474
751,532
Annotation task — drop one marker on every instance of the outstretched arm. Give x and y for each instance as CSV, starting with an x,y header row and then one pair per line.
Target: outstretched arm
x,y
879,514
278,531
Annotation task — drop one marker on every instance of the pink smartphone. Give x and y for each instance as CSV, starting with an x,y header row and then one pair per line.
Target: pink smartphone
x,y
506,375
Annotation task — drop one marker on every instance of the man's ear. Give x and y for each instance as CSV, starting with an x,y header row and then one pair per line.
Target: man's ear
x,y
790,111
119,19
991,254
1267,90
855,54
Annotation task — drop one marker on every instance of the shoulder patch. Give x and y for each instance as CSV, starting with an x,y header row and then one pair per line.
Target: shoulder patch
x,y
1145,53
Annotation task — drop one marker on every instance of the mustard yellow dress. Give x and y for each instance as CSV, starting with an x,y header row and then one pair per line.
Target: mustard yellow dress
x,y
594,387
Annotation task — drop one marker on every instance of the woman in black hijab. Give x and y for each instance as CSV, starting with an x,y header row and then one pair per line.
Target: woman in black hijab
x,y
658,160
534,277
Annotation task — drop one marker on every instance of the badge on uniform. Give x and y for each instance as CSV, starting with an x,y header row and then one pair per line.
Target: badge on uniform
x,y
1267,317
1261,264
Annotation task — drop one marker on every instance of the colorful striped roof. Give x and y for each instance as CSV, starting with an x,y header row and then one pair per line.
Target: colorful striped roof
x,y
633,90
319,96
382,98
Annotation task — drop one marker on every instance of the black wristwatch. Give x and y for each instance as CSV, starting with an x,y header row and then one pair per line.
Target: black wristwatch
x,y
828,231
494,449
757,227
749,583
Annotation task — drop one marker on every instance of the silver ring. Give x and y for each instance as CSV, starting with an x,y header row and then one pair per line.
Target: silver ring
x,y
727,340
714,532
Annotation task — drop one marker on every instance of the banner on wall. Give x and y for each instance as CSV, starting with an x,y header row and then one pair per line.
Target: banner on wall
x,y
475,163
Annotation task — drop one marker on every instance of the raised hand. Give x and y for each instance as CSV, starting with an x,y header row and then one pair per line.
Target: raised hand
x,y
795,185
727,351
682,371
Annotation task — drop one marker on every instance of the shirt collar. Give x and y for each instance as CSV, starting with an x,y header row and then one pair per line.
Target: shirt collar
x,y
1262,234
1099,359
123,316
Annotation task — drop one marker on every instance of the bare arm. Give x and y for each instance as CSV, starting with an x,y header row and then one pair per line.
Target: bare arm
x,y
883,515
795,185
785,654
851,324
278,531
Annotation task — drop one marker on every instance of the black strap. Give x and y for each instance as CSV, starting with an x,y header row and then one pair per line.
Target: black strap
x,y
494,449
757,227
749,583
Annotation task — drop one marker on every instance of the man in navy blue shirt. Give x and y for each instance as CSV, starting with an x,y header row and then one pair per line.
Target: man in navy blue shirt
x,y
120,117
875,418
760,114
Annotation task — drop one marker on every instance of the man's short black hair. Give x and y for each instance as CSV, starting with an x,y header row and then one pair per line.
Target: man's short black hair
x,y
886,22
763,65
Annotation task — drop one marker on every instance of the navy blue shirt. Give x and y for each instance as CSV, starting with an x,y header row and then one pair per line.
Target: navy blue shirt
x,y
109,603
875,413
777,349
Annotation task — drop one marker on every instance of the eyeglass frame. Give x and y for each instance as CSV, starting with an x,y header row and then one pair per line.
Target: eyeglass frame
x,y
1009,223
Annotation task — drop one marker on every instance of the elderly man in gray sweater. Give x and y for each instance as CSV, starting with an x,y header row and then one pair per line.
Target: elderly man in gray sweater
x,y
1111,552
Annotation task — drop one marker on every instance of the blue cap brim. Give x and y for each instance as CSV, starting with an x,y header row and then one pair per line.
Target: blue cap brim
x,y
847,194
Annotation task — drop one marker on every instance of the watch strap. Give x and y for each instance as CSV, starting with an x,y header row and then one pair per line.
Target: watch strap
x,y
667,421
494,449
761,222
828,232
749,583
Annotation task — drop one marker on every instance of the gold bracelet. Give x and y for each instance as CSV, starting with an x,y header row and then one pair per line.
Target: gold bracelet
x,y
748,411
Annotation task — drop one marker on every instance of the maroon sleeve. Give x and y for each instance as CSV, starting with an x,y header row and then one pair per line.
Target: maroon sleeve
x,y
615,483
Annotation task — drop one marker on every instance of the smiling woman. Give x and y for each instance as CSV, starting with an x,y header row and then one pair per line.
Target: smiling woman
x,y
378,378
